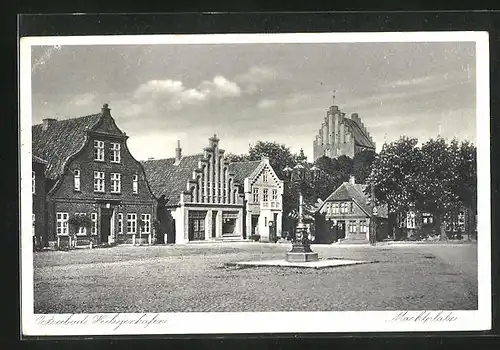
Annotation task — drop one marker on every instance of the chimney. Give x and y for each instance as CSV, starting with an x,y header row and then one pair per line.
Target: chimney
x,y
105,109
47,122
352,180
178,152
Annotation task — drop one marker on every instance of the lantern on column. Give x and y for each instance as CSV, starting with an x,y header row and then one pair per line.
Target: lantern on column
x,y
298,174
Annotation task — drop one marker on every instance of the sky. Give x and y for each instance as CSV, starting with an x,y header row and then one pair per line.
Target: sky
x,y
244,93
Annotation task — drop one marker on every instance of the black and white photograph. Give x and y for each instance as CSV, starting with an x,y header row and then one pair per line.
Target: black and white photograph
x,y
255,183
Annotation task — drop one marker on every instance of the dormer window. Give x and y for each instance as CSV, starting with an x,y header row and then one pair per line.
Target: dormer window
x,y
115,153
99,150
76,180
135,184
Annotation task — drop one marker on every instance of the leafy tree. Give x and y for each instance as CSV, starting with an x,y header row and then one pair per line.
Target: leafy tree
x,y
344,165
279,155
234,158
466,185
439,180
76,222
394,175
361,165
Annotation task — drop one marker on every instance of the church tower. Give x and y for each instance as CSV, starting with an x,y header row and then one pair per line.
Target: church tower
x,y
341,135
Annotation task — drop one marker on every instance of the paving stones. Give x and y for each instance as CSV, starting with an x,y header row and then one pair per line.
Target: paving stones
x,y
194,279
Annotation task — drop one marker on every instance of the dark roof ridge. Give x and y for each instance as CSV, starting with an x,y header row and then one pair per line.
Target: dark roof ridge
x,y
57,120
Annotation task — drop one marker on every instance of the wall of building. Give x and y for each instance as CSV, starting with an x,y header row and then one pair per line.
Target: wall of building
x,y
65,198
356,216
181,217
39,207
266,211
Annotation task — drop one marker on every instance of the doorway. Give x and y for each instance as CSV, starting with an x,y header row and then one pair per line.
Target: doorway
x,y
196,225
105,225
255,224
214,224
340,228
273,230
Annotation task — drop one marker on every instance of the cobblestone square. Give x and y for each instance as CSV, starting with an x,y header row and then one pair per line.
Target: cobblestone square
x,y
196,278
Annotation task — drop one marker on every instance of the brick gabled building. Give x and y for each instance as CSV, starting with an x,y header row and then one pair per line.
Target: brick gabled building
x,y
340,135
263,192
198,198
90,171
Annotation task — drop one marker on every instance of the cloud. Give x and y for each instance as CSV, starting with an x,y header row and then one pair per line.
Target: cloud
x,y
465,74
263,104
84,100
255,77
172,94
220,87
289,103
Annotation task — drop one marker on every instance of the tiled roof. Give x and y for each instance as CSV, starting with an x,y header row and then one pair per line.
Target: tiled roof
x,y
62,139
242,170
360,136
355,192
170,179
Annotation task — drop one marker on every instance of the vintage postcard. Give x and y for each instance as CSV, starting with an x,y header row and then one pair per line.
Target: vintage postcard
x,y
255,183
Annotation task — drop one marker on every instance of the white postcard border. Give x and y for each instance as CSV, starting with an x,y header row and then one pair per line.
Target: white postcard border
x,y
258,322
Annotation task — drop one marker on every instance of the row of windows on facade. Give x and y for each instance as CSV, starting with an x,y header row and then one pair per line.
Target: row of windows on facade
x,y
62,223
265,195
341,208
99,182
352,226
114,155
410,221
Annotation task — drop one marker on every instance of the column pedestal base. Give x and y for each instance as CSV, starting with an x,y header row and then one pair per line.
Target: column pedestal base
x,y
301,253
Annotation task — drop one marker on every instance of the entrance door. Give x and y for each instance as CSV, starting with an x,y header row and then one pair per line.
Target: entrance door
x,y
340,229
105,225
273,230
214,224
196,226
255,223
